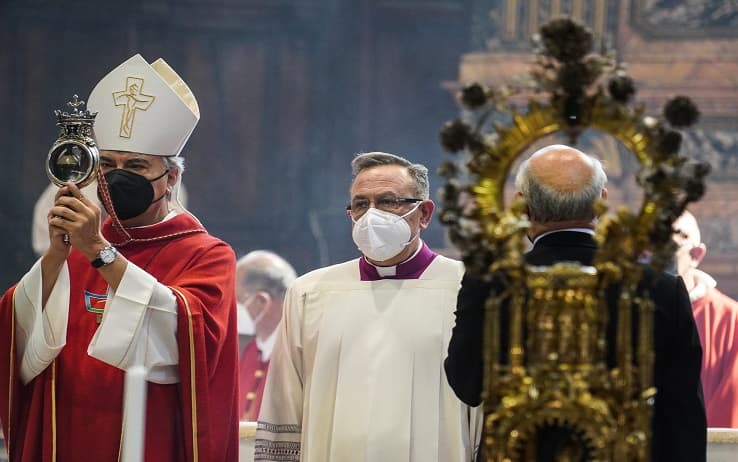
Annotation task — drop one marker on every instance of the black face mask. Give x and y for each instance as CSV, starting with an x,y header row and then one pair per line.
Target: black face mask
x,y
130,192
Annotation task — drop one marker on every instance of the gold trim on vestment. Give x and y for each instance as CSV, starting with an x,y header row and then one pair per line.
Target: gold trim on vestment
x,y
11,381
120,445
53,411
193,388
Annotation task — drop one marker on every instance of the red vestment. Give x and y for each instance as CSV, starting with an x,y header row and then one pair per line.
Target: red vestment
x,y
252,377
73,409
716,316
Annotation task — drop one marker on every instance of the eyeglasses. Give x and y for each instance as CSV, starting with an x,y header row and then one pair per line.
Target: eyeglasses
x,y
392,204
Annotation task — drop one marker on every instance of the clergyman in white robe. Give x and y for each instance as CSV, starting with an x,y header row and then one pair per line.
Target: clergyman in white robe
x,y
357,370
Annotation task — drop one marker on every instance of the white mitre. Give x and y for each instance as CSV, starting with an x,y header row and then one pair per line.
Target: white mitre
x,y
144,108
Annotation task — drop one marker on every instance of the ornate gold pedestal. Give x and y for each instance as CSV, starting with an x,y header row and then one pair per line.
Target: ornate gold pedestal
x,y
550,391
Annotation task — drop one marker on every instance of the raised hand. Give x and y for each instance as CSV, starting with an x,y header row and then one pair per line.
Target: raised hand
x,y
77,217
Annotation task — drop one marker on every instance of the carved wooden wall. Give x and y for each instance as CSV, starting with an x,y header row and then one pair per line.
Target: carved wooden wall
x,y
289,91
671,48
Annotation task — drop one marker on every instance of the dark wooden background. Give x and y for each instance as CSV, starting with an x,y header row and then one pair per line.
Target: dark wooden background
x,y
288,91
291,90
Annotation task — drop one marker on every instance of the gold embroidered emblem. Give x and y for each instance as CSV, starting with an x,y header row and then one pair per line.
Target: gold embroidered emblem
x,y
132,99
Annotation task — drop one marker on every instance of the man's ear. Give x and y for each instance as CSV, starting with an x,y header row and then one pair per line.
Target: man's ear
x,y
518,196
172,178
263,298
697,253
426,209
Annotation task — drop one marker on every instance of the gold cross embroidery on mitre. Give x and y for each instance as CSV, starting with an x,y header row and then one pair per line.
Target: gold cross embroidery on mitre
x,y
132,99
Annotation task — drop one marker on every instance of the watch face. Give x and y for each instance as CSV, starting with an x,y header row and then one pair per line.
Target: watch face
x,y
107,255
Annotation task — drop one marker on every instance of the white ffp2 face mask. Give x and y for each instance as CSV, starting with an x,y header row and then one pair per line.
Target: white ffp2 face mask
x,y
255,320
245,324
381,235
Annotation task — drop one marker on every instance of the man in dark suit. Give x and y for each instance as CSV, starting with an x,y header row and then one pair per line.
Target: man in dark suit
x,y
560,185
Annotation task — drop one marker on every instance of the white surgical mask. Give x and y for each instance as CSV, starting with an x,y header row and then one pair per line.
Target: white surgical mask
x,y
245,324
257,319
249,324
381,235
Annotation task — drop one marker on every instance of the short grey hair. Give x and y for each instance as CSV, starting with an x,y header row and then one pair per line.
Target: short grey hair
x,y
546,204
177,163
174,162
265,270
418,172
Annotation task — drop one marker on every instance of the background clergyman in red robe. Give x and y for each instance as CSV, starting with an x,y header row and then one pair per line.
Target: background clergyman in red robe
x,y
262,278
716,316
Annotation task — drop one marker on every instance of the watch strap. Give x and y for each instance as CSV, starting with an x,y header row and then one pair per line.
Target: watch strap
x,y
99,262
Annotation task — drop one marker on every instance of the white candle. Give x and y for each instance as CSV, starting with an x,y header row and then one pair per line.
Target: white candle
x,y
134,414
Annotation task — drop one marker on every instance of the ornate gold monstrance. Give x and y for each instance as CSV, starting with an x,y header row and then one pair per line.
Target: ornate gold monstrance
x,y
550,377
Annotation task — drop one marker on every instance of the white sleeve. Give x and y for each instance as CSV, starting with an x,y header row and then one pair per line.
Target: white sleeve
x,y
279,429
139,327
40,224
41,334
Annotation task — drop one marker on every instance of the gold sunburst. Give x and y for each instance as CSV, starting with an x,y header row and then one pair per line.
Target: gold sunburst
x,y
555,371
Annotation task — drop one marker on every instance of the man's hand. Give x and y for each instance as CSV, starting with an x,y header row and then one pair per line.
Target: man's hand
x,y
76,216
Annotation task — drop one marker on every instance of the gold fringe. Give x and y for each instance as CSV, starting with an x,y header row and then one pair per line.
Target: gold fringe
x,y
192,374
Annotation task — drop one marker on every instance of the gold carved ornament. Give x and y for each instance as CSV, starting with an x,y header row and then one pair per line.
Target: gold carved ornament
x,y
550,373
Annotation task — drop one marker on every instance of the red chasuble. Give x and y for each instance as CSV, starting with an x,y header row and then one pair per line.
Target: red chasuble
x,y
73,410
716,316
252,372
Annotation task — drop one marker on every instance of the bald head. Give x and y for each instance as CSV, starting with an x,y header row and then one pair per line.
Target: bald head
x,y
690,248
263,270
687,230
561,168
561,184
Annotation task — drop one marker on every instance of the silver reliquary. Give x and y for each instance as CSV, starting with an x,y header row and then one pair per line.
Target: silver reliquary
x,y
74,156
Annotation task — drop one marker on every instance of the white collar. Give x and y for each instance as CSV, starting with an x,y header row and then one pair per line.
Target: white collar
x,y
387,271
266,346
171,214
578,230
704,282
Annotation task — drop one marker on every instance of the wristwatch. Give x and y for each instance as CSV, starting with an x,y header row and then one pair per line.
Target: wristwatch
x,y
105,257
